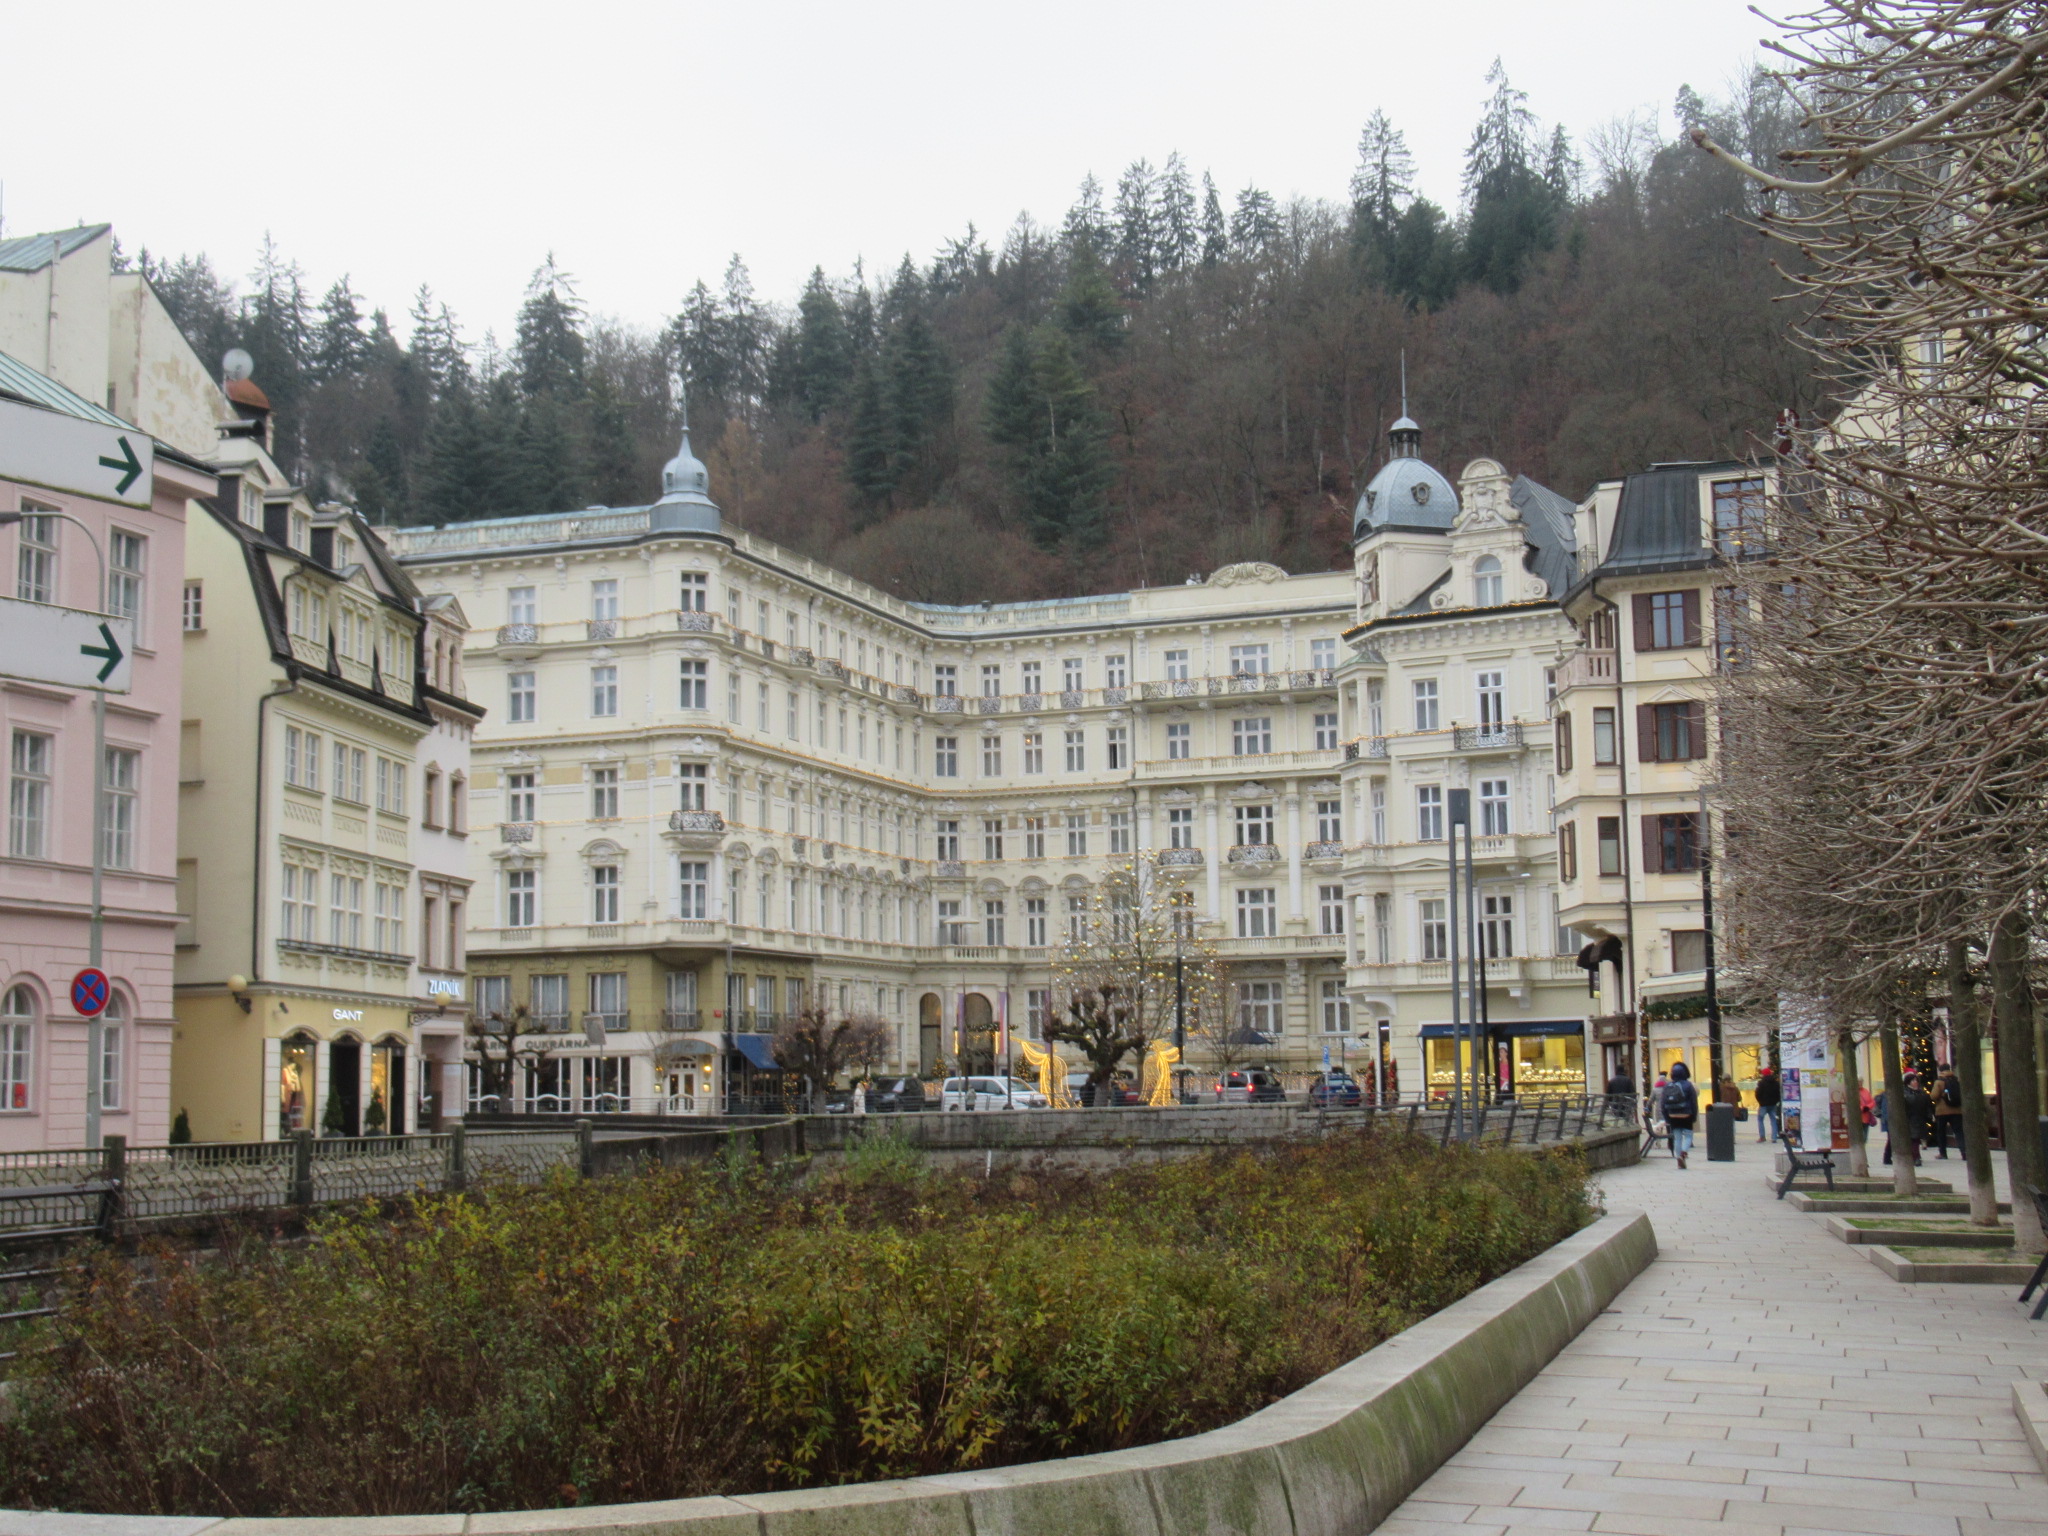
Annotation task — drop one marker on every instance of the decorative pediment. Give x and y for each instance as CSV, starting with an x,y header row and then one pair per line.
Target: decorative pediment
x,y
1251,789
1246,572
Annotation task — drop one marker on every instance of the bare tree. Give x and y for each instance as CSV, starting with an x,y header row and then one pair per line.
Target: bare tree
x,y
501,1041
818,1046
1902,612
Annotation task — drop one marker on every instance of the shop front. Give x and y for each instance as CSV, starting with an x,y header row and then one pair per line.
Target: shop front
x,y
349,1072
1530,1057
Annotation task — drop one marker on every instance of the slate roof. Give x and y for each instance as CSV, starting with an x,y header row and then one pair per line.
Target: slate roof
x,y
1548,518
1657,523
31,253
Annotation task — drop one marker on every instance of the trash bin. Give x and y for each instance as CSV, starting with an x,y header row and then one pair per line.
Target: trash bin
x,y
1720,1133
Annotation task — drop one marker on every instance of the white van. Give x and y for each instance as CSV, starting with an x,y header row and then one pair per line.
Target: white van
x,y
989,1093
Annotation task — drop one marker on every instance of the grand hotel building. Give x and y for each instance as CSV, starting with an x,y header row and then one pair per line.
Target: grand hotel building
x,y
718,779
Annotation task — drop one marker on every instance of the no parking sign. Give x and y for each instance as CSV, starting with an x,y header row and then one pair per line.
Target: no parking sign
x,y
89,992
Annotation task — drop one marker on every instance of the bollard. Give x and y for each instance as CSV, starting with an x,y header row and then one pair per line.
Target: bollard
x,y
458,1163
302,1168
586,1150
1720,1133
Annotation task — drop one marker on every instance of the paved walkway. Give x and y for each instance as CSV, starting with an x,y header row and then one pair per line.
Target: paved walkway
x,y
1759,1378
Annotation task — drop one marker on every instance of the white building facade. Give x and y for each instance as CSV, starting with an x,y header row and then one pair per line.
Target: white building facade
x,y
719,780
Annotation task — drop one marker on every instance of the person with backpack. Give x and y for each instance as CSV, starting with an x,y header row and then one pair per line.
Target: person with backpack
x,y
1679,1103
1948,1112
1770,1096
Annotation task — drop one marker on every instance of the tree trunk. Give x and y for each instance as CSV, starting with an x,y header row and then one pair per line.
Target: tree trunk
x,y
1852,1095
1965,1028
2019,1105
1899,1129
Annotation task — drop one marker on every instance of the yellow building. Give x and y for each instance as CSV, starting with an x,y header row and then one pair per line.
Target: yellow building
x,y
1635,753
318,973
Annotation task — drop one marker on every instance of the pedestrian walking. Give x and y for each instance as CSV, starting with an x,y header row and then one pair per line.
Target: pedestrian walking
x,y
1919,1126
1770,1097
1948,1112
1621,1093
1679,1102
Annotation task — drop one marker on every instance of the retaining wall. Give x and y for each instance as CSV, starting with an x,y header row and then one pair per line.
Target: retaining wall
x,y
1333,1459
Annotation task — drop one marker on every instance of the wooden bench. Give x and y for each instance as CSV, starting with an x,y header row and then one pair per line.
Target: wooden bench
x,y
1802,1161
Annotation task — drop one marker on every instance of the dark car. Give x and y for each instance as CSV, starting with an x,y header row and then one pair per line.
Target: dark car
x,y
1252,1085
896,1096
1122,1091
1337,1090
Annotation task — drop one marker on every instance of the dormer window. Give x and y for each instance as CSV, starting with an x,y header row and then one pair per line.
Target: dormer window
x,y
301,533
252,504
1487,583
344,552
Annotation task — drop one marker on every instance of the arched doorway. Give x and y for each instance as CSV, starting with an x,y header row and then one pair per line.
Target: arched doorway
x,y
928,1041
978,1035
341,1106
386,1110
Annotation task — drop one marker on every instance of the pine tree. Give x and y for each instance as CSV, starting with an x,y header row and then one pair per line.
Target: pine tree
x,y
277,330
921,404
380,483
959,264
870,441
1090,310
1215,233
1512,214
548,457
614,470
1086,223
454,478
550,350
1423,257
1137,242
436,345
746,328
1254,222
1041,407
340,346
1180,237
824,349
1381,188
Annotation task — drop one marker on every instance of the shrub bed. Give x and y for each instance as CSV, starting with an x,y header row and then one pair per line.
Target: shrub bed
x,y
725,1329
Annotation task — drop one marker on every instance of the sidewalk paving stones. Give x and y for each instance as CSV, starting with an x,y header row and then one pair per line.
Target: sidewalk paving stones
x,y
1762,1378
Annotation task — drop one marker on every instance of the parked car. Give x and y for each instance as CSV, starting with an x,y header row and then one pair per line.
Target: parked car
x,y
1336,1089
1252,1085
989,1093
896,1095
1122,1091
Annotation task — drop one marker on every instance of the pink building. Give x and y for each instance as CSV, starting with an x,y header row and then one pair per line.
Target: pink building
x,y
47,731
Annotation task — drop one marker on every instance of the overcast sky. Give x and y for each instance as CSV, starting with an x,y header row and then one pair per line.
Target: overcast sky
x,y
644,144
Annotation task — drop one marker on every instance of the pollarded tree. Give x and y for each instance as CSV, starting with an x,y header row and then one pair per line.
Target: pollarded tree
x,y
1115,980
818,1045
501,1042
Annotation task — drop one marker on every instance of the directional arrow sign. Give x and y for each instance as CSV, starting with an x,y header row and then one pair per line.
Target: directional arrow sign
x,y
66,646
65,453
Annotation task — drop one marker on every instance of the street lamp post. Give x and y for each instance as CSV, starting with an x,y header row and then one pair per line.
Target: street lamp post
x,y
1459,814
1714,1043
95,1028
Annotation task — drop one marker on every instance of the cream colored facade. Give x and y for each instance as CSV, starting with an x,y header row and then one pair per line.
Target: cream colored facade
x,y
67,313
322,745
1654,623
719,778
1457,639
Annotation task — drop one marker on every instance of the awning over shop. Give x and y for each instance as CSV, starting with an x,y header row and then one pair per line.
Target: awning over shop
x,y
758,1049
1518,1028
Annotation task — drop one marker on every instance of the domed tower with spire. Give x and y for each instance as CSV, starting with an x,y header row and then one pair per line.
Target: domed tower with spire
x,y
686,505
1400,523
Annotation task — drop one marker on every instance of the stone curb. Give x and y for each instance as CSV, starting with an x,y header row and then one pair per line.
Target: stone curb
x,y
1333,1459
2030,1402
1957,1272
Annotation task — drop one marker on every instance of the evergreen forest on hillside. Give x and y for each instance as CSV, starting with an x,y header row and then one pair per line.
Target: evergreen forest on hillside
x,y
1171,379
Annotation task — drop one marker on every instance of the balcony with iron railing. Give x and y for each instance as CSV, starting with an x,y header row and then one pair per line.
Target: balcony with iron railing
x,y
695,821
1180,858
1501,736
1254,853
516,831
